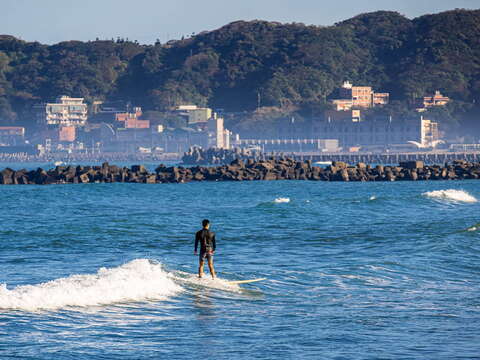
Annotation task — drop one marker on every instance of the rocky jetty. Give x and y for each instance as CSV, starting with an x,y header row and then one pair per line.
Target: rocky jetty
x,y
214,156
238,170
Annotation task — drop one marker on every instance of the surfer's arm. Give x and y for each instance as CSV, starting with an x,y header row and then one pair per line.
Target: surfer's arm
x,y
214,244
196,242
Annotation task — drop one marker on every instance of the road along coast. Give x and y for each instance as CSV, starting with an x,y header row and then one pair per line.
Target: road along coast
x,y
238,170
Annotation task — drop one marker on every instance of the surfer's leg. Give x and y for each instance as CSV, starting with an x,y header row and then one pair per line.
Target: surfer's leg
x,y
200,268
210,266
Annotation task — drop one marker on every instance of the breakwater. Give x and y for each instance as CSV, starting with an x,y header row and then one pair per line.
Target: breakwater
x,y
238,170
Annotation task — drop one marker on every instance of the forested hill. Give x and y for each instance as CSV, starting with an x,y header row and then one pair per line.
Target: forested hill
x,y
246,64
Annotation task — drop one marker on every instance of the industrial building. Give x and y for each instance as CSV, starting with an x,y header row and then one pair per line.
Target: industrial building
x,y
418,132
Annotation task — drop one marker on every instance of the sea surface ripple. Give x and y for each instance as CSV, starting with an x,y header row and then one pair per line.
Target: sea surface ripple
x,y
355,271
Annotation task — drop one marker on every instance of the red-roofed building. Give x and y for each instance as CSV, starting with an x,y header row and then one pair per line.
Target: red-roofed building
x,y
132,120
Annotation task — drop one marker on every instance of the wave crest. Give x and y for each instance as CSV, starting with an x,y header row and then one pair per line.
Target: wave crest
x,y
281,200
451,195
137,280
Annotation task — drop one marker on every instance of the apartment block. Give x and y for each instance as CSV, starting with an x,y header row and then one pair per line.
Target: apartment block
x,y
66,111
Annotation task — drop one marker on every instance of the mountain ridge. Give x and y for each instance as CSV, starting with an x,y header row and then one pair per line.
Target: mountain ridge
x,y
247,64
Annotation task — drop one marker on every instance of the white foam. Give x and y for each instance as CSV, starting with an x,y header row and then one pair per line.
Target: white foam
x,y
451,195
206,281
137,280
373,197
281,200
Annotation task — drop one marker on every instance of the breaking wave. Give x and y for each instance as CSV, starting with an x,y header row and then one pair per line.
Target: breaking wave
x,y
281,200
475,227
137,280
451,195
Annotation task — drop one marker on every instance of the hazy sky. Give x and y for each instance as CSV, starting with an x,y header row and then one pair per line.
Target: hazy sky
x,y
51,21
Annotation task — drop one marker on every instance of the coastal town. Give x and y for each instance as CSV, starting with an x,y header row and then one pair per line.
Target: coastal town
x,y
239,180
69,128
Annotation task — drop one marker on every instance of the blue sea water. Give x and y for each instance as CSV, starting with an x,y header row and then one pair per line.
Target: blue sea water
x,y
355,271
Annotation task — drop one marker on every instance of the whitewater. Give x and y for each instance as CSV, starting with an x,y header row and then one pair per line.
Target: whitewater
x,y
354,271
138,280
451,195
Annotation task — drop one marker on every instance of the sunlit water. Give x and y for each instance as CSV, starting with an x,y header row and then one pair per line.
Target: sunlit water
x,y
355,271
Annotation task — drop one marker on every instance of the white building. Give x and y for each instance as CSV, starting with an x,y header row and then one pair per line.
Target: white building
x,y
66,111
218,136
379,132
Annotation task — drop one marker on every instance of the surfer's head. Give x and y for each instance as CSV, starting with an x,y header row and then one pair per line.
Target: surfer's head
x,y
206,223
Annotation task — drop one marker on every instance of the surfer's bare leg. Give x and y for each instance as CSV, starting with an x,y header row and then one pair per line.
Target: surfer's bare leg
x,y
200,268
210,266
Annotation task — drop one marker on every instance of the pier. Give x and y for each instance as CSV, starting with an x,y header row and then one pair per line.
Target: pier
x,y
386,158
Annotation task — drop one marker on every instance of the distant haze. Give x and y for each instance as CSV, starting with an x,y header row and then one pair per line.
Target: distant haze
x,y
52,21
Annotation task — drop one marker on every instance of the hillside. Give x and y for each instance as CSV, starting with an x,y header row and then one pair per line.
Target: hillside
x,y
246,64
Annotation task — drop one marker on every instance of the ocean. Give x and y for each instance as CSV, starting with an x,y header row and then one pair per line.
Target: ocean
x,y
354,271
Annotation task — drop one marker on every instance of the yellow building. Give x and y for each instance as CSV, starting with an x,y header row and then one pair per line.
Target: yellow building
x,y
195,114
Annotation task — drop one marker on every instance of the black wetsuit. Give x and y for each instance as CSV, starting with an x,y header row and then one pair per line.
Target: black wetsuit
x,y
206,238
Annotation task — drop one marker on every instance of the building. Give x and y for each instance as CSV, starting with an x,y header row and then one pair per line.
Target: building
x,y
67,134
106,111
435,100
131,120
194,114
66,111
218,136
351,115
12,135
380,98
342,104
379,132
350,96
429,133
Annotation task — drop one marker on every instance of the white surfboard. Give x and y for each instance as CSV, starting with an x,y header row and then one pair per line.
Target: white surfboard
x,y
245,281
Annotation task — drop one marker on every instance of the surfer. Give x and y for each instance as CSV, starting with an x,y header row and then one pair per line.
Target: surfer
x,y
206,238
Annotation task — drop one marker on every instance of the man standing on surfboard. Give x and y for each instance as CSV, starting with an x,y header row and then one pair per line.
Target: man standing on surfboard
x,y
206,238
